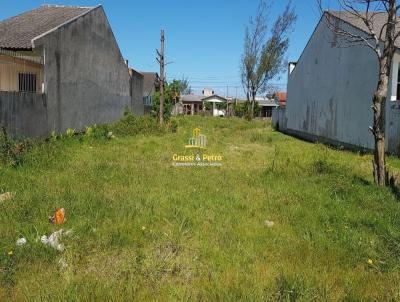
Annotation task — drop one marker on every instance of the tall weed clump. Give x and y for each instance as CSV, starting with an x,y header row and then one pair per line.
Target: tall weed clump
x,y
131,125
11,151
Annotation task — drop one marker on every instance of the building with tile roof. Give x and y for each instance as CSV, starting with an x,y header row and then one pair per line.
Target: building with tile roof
x,y
60,68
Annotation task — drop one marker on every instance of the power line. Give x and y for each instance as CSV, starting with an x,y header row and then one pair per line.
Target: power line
x,y
233,85
205,77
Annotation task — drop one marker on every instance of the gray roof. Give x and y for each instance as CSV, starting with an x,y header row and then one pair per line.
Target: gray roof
x,y
379,20
191,98
268,103
19,31
262,103
150,82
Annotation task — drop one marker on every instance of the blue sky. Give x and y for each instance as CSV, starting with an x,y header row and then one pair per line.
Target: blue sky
x,y
204,39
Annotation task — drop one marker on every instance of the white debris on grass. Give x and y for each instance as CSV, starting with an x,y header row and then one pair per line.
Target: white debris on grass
x,y
110,135
54,239
68,233
21,241
269,223
63,263
6,196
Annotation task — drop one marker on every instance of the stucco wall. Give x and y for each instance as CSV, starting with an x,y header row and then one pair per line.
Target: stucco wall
x,y
330,92
137,92
23,114
86,79
279,121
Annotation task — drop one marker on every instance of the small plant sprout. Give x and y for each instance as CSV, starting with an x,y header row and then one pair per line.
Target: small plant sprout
x,y
89,131
110,135
70,132
53,136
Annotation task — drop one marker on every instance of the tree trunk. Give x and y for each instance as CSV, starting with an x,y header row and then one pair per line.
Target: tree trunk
x,y
253,100
378,130
379,100
162,78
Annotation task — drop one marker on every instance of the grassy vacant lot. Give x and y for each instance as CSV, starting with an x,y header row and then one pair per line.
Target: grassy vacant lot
x,y
145,229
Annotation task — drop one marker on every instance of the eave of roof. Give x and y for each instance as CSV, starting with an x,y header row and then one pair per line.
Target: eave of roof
x,y
21,31
65,23
314,31
347,18
214,96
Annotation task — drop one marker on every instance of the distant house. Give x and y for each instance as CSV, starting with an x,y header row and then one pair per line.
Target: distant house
x,y
191,104
330,89
266,105
151,84
216,102
281,98
61,67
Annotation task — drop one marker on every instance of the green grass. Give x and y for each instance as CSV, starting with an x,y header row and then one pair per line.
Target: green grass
x,y
144,229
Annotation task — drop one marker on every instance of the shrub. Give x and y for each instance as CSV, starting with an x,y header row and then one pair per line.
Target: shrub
x,y
100,131
155,109
244,110
238,110
131,125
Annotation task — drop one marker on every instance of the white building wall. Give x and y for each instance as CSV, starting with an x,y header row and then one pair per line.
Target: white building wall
x,y
330,92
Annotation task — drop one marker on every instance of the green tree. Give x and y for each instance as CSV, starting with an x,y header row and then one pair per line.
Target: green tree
x,y
172,92
264,56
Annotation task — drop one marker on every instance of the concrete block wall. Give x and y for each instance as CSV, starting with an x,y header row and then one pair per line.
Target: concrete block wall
x,y
137,92
24,114
279,121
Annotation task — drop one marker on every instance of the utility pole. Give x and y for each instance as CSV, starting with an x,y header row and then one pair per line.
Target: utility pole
x,y
160,60
227,101
236,94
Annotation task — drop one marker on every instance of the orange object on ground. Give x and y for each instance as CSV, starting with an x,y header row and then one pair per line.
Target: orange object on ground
x,y
58,217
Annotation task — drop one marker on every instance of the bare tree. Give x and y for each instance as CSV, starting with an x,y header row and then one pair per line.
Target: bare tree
x,y
184,86
161,61
264,55
380,38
